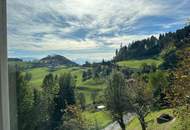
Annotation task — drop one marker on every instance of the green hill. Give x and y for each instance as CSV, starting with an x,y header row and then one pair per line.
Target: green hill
x,y
153,46
56,60
138,63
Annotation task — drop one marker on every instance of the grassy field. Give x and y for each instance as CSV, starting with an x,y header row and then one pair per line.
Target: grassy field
x,y
137,63
102,118
38,74
86,87
152,123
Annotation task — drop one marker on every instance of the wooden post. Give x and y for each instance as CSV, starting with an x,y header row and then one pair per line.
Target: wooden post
x,y
4,87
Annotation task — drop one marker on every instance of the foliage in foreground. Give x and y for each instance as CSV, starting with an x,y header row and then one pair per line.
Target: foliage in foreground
x,y
125,96
115,97
180,89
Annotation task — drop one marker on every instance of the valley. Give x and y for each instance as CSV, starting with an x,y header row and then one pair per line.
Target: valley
x,y
98,93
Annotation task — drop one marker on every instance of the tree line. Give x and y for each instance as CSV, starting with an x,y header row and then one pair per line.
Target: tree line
x,y
153,46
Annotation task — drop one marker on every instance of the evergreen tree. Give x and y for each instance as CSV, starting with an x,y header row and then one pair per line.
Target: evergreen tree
x,y
82,101
24,102
65,97
50,90
94,95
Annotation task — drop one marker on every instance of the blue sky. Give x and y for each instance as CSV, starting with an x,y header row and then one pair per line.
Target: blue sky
x,y
87,29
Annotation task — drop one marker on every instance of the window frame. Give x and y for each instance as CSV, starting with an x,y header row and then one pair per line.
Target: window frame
x,y
4,87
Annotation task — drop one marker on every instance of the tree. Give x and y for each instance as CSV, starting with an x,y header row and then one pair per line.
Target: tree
x,y
65,97
140,98
50,85
28,76
82,100
24,102
94,94
188,22
86,75
48,94
179,93
50,88
73,120
145,68
116,52
67,86
96,71
38,113
115,95
159,84
170,60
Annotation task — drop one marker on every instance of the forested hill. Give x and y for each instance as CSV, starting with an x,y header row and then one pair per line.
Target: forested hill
x,y
15,59
57,60
153,46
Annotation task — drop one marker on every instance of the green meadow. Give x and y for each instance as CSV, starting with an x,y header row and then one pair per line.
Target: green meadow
x,y
138,63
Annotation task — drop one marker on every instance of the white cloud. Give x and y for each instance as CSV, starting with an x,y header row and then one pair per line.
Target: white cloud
x,y
52,43
40,25
98,15
102,15
107,15
67,44
116,41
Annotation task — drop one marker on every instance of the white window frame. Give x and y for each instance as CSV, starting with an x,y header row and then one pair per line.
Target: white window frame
x,y
4,87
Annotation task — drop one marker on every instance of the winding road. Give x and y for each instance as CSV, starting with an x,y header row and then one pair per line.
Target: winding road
x,y
115,125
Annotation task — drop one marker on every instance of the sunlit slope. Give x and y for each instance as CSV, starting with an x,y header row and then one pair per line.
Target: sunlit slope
x,y
137,63
86,87
152,123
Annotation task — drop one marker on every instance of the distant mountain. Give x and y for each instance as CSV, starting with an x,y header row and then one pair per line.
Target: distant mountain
x,y
57,60
15,59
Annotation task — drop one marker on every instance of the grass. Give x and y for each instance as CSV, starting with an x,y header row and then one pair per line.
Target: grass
x,y
102,117
38,74
152,123
91,85
86,87
137,63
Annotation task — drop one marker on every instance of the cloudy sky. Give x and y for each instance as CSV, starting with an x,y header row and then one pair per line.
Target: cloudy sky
x,y
87,29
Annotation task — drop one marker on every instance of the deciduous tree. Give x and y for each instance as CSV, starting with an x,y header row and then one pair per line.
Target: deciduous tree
x,y
140,98
116,97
